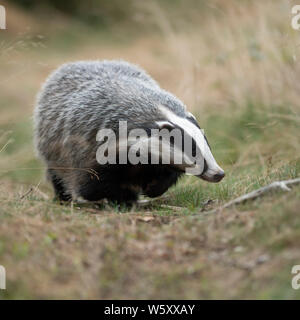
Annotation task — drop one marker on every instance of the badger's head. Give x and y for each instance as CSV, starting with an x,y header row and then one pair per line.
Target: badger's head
x,y
190,153
166,138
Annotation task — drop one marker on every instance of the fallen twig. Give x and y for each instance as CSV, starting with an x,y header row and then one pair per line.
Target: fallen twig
x,y
41,193
174,208
26,193
142,203
277,185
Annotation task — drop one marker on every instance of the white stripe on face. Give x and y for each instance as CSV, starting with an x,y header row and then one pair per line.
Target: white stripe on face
x,y
197,134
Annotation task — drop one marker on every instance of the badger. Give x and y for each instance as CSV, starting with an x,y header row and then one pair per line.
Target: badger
x,y
81,98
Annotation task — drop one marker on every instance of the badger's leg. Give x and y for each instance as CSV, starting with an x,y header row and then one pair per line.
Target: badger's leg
x,y
123,195
158,186
58,186
95,188
91,189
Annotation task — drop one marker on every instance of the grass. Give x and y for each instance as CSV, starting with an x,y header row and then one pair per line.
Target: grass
x,y
242,83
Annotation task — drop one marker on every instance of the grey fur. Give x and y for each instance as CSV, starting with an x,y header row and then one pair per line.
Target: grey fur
x,y
80,98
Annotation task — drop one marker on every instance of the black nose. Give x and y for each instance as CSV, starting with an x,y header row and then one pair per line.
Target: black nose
x,y
219,176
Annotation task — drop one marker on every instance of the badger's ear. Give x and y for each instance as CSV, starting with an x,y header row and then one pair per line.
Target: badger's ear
x,y
190,115
193,119
165,125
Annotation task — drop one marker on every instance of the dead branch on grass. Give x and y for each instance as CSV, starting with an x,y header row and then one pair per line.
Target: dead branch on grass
x,y
26,193
274,186
42,194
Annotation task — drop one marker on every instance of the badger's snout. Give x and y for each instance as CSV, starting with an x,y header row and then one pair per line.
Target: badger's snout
x,y
212,176
219,176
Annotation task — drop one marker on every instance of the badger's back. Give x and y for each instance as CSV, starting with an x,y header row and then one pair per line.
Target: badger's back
x,y
80,98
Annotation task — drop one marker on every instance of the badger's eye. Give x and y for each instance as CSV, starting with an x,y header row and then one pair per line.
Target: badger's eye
x,y
165,125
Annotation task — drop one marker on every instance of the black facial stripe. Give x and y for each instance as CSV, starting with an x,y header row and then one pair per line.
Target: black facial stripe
x,y
194,121
205,167
184,135
148,126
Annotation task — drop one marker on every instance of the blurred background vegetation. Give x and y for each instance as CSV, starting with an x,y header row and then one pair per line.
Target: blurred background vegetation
x,y
105,13
92,12
235,64
116,14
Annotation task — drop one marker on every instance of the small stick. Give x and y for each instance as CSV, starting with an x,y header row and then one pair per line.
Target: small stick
x,y
276,185
41,193
6,144
142,203
26,193
175,208
146,202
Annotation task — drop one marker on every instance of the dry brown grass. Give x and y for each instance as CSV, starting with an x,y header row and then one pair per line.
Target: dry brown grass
x,y
235,64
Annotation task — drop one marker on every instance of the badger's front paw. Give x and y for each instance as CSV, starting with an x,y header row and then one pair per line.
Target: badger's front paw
x,y
155,189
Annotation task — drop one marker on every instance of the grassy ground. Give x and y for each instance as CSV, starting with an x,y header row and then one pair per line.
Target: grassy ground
x,y
237,70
